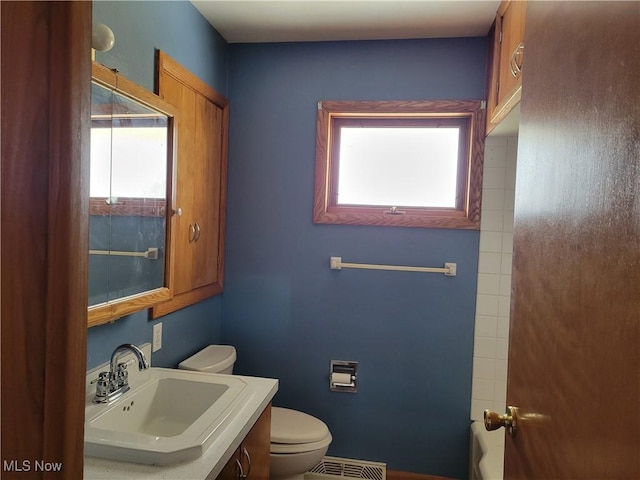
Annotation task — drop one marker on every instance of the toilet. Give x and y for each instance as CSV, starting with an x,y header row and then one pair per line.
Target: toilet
x,y
298,440
211,359
298,443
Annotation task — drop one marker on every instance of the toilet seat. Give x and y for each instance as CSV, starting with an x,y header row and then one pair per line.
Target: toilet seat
x,y
297,432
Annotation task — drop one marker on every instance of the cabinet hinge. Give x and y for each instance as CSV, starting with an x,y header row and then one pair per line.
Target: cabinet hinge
x,y
319,105
483,105
500,37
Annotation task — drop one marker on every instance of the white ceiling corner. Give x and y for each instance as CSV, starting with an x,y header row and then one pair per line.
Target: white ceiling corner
x,y
241,21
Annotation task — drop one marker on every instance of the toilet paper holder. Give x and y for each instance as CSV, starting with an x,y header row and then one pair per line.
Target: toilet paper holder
x,y
343,376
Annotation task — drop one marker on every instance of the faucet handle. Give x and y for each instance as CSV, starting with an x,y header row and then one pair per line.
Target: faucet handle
x,y
122,375
102,387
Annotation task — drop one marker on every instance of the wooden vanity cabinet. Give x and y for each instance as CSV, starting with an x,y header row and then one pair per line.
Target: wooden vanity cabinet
x,y
506,54
200,185
251,459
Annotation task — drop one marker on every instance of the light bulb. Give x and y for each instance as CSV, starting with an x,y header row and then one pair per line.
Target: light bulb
x,y
102,38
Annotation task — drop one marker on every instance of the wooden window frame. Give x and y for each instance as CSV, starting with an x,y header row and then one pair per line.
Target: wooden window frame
x,y
332,114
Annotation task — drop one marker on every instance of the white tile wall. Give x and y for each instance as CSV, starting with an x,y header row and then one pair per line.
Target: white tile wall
x,y
489,388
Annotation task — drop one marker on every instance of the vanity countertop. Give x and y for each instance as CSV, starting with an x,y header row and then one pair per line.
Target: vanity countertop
x,y
212,460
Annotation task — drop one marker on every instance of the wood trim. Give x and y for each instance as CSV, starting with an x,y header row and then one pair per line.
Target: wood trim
x,y
399,475
224,173
107,77
505,107
44,232
503,7
466,218
186,299
493,65
108,312
169,66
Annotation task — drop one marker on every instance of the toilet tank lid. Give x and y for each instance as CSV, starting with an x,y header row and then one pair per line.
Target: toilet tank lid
x,y
291,426
213,358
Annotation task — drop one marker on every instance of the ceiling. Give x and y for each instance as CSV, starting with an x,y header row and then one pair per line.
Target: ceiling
x,y
241,21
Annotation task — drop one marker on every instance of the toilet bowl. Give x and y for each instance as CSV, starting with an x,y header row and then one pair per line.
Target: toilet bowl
x,y
298,440
298,443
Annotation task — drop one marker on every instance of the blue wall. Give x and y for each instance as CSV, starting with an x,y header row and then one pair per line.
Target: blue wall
x,y
288,314
178,29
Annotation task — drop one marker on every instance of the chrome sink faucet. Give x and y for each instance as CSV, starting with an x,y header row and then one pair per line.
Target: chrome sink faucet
x,y
115,382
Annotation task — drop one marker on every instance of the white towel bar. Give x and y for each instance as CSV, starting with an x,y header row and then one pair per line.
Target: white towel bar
x,y
449,269
151,253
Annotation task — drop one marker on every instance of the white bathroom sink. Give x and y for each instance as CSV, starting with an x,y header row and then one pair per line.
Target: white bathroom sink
x,y
168,416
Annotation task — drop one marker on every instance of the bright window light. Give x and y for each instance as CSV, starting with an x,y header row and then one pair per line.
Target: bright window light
x,y
124,162
398,166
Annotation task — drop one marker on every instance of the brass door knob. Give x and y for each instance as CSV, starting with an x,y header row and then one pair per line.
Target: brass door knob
x,y
493,420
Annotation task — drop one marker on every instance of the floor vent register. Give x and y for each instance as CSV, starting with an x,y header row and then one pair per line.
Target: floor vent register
x,y
331,468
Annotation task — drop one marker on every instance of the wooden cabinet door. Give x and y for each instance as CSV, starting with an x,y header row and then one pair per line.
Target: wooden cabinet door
x,y
507,50
184,99
257,444
574,347
253,458
231,469
513,22
200,185
207,179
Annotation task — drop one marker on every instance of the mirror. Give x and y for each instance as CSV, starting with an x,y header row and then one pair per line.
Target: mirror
x,y
130,191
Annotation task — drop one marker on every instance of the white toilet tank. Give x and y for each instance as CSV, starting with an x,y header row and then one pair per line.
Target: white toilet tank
x,y
211,359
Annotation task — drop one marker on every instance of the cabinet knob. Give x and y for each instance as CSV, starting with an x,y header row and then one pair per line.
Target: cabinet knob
x,y
177,212
196,236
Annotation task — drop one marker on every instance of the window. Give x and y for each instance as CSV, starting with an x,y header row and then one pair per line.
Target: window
x,y
412,164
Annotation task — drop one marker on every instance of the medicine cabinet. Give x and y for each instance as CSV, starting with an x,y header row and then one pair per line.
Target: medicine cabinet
x,y
130,217
201,185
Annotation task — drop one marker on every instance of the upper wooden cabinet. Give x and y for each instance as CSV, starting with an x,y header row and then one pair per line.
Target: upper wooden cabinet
x,y
506,56
200,185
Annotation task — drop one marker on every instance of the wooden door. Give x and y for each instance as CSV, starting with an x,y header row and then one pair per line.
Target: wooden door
x,y
574,351
46,73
